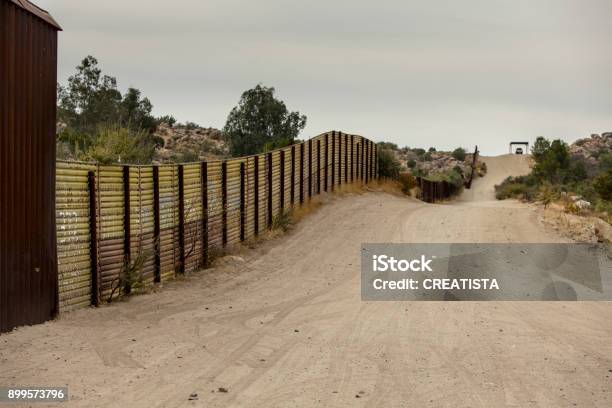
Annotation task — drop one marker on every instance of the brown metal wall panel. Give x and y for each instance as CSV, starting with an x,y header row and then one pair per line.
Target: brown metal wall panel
x,y
28,263
168,221
141,222
233,201
215,209
263,193
275,183
73,235
192,197
250,198
287,177
110,227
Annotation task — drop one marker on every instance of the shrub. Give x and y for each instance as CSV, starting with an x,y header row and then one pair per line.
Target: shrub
x,y
459,154
388,165
603,185
283,221
115,144
407,182
411,164
522,187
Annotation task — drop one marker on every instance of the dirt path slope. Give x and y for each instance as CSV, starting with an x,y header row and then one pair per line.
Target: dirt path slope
x,y
286,327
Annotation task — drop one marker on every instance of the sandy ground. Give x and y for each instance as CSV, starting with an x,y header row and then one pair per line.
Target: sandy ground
x,y
284,326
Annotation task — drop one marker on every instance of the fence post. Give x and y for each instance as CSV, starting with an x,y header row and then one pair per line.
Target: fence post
x,y
269,185
156,226
339,158
204,191
357,163
181,220
309,169
292,188
93,245
368,161
256,196
224,203
282,182
352,158
127,244
333,160
242,201
301,173
376,175
318,166
345,158
326,173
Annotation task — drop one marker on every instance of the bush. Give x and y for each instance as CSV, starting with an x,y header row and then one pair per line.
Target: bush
x,y
388,165
603,185
283,221
115,144
260,118
407,182
411,164
459,154
522,187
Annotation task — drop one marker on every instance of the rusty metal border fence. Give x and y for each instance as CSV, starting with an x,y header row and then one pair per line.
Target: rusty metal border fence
x,y
173,219
468,183
434,191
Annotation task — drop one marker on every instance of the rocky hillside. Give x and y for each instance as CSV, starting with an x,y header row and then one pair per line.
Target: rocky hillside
x,y
187,143
434,164
590,149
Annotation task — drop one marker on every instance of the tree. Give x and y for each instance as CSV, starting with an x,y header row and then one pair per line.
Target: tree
x,y
388,165
115,144
261,119
553,163
168,119
459,154
540,147
603,185
89,99
135,112
91,107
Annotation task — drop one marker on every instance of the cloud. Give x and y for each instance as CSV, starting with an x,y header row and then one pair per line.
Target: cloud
x,y
441,73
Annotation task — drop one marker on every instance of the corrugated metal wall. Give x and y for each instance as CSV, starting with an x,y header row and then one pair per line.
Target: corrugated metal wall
x,y
180,216
28,77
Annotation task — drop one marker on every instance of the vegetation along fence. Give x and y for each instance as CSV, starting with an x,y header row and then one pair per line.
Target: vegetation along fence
x,y
432,191
121,228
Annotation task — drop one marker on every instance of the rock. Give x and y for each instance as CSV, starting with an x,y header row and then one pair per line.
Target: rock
x,y
582,204
193,397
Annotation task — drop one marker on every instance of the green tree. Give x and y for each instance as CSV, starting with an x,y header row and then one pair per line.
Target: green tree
x,y
135,112
603,185
540,147
115,144
169,119
89,99
553,163
388,165
261,119
459,154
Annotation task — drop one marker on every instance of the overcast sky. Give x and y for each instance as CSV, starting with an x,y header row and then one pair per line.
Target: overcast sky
x,y
417,73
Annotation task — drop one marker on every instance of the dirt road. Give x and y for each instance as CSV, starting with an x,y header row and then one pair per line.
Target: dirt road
x,y
284,326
